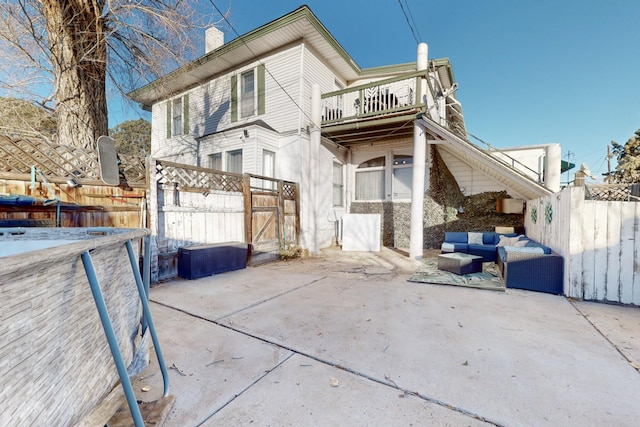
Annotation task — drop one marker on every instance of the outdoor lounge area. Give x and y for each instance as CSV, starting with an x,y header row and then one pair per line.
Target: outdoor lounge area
x,y
523,263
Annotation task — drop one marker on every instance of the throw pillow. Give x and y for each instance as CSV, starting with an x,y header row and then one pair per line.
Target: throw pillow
x,y
475,238
508,241
521,243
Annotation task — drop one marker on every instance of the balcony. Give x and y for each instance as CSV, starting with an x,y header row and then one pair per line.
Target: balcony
x,y
371,111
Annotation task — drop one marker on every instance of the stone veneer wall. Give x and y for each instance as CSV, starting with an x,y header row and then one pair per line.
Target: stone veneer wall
x,y
441,210
396,221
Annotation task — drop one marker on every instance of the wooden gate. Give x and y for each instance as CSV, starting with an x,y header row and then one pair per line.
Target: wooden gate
x,y
272,216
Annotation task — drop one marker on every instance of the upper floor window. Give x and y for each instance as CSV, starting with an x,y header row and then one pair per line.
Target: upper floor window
x,y
178,116
247,95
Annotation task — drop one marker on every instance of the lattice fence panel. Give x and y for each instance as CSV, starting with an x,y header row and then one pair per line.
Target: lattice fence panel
x,y
18,155
133,167
197,179
612,192
289,191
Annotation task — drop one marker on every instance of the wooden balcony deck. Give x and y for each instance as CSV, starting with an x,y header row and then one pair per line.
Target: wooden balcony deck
x,y
372,111
365,112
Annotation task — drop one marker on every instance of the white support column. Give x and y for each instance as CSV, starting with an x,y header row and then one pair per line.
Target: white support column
x,y
553,168
416,240
314,167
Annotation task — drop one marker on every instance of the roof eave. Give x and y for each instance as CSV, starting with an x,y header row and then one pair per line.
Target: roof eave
x,y
151,92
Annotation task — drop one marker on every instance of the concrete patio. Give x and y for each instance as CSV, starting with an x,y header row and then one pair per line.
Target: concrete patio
x,y
344,339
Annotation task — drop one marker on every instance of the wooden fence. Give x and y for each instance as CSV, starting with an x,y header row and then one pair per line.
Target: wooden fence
x,y
84,202
598,240
191,205
85,206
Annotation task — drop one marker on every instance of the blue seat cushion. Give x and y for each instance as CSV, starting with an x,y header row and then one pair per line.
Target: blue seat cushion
x,y
454,247
489,238
455,237
487,252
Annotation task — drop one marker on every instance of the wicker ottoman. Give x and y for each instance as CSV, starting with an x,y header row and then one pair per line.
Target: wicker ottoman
x,y
460,263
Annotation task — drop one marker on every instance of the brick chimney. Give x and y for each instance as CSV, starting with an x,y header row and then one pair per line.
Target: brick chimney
x,y
213,39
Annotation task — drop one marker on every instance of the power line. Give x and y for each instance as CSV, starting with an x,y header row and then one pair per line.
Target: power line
x,y
408,21
412,20
260,62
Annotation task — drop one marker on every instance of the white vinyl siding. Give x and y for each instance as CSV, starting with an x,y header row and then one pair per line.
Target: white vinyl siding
x,y
281,113
316,71
211,104
473,181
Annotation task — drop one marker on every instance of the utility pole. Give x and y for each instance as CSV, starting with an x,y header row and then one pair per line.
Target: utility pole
x,y
569,153
609,163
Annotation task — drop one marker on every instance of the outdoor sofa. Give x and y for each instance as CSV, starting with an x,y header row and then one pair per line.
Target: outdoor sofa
x,y
523,262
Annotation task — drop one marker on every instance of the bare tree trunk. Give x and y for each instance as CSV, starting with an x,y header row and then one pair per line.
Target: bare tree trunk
x,y
78,52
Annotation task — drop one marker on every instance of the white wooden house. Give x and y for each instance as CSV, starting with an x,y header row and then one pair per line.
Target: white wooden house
x,y
287,101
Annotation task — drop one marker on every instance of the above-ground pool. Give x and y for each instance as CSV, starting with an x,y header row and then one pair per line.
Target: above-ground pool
x,y
55,362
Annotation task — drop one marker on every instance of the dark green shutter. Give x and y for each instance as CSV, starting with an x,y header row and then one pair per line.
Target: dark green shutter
x,y
185,114
169,119
261,102
234,98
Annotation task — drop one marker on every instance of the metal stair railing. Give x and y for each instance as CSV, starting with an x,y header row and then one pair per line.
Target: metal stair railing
x,y
491,149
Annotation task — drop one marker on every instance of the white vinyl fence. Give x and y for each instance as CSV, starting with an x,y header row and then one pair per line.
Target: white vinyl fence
x,y
598,240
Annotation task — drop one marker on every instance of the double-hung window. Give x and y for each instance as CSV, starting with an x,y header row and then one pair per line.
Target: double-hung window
x,y
178,116
374,175
215,161
338,184
370,177
234,161
247,93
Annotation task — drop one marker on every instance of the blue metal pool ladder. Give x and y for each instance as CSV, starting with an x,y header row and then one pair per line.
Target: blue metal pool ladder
x,y
147,322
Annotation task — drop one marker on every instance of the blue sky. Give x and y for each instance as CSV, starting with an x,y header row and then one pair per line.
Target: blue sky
x,y
529,72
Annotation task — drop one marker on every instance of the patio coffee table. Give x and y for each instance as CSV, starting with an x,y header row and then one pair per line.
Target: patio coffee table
x,y
459,263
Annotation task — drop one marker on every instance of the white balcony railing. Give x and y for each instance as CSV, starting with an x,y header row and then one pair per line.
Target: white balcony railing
x,y
384,97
